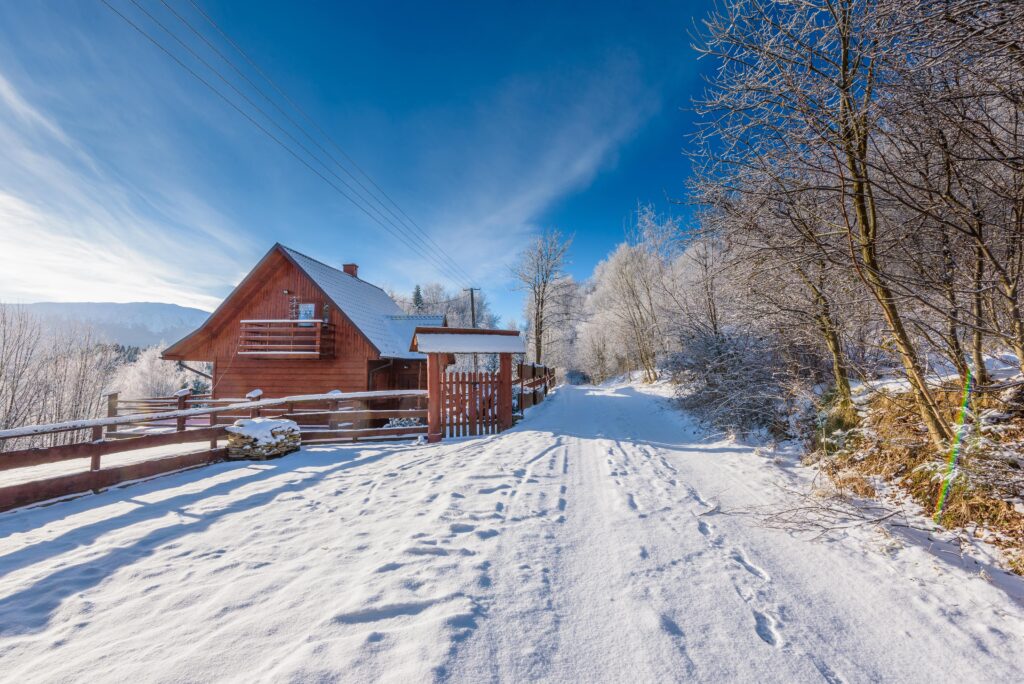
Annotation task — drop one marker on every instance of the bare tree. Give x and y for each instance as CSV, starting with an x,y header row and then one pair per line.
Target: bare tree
x,y
539,272
801,84
49,375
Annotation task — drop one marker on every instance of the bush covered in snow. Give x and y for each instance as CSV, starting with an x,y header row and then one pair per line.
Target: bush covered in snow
x,y
150,376
741,383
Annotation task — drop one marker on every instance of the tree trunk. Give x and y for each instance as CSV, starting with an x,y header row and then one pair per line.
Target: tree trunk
x,y
538,331
854,142
981,374
830,333
956,350
926,405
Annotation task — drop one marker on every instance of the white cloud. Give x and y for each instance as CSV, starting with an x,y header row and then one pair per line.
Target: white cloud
x,y
69,231
538,139
72,230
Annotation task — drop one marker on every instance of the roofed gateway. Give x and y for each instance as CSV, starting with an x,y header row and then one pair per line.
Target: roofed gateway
x,y
295,325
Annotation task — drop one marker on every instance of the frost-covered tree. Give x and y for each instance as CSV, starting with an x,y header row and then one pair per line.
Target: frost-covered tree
x,y
540,273
150,376
50,375
455,305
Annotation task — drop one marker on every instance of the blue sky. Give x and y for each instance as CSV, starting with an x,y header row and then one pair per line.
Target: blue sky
x,y
124,178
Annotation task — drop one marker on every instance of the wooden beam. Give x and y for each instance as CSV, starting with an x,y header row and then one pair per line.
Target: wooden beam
x,y
368,414
504,391
435,367
341,434
94,480
41,455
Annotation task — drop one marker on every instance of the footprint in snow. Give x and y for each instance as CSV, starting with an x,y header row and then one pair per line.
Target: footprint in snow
x,y
426,551
384,612
670,626
764,625
738,556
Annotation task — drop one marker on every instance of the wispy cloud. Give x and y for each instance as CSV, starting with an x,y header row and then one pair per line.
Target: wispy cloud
x,y
538,139
140,184
71,231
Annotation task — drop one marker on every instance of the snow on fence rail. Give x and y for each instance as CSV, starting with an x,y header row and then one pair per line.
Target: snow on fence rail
x,y
341,424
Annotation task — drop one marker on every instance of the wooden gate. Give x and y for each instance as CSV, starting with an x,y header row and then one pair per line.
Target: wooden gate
x,y
470,404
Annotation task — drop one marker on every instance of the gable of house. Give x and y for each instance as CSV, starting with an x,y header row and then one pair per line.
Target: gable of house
x,y
368,308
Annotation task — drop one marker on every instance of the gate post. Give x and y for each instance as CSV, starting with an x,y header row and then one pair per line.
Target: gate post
x,y
434,398
504,391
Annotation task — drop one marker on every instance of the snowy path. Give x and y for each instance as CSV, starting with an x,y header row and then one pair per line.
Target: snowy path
x,y
570,549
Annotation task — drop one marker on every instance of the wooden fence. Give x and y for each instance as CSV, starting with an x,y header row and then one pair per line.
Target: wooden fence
x,y
137,424
534,384
470,404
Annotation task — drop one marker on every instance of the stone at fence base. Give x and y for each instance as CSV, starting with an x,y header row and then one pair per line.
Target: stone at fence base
x,y
262,438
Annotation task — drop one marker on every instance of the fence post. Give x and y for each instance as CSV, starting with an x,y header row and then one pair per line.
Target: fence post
x,y
434,398
332,420
213,422
181,396
254,395
111,410
97,436
504,391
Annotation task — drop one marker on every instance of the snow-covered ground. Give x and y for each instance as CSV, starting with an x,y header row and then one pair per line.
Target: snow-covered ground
x,y
595,542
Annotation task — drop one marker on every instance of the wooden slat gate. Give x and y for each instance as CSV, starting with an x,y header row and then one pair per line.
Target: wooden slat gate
x,y
470,405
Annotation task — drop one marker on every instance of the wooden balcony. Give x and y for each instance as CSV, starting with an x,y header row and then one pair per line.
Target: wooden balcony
x,y
286,339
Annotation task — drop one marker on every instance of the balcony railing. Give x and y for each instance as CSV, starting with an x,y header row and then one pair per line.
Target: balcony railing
x,y
286,339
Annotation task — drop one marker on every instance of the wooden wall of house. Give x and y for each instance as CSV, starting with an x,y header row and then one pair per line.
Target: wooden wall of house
x,y
398,374
264,298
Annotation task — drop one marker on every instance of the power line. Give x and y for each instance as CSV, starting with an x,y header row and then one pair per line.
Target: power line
x,y
452,267
252,104
383,223
326,135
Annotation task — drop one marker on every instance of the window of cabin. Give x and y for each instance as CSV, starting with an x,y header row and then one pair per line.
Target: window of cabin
x,y
307,312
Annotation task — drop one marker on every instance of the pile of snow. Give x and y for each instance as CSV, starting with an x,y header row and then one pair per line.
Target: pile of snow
x,y
264,431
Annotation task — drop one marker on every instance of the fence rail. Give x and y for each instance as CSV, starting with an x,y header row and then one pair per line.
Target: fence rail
x,y
468,404
296,339
190,419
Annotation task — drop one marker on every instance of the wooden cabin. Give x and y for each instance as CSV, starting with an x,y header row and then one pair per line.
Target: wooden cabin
x,y
295,325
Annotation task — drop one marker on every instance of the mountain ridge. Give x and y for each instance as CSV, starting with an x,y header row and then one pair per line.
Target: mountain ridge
x,y
139,324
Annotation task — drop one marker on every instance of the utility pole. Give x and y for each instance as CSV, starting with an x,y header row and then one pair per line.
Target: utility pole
x,y
472,303
472,313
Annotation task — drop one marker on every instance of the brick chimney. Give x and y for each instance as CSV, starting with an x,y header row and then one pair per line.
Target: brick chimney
x,y
351,269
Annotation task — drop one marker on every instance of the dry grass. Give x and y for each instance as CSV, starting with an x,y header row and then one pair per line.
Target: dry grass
x,y
890,442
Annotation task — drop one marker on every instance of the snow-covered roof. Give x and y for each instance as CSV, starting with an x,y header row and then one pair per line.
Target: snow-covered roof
x,y
469,343
370,308
403,328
